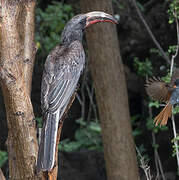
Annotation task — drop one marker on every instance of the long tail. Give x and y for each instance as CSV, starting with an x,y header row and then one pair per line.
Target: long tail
x,y
47,148
46,154
163,116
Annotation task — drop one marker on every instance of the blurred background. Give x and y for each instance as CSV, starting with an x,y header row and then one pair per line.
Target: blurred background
x,y
81,150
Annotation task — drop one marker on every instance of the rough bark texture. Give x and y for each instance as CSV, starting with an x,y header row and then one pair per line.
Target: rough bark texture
x,y
16,66
111,93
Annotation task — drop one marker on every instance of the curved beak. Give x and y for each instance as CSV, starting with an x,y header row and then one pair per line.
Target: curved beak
x,y
98,16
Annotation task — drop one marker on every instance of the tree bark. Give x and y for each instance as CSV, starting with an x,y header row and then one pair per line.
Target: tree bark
x,y
16,67
111,94
2,175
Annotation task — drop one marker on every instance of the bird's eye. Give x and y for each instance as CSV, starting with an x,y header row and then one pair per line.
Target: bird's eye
x,y
83,22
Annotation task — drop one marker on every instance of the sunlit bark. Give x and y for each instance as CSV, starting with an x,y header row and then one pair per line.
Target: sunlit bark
x,y
16,66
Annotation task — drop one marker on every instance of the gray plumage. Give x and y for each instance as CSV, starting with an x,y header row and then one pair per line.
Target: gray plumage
x,y
61,74
175,95
62,71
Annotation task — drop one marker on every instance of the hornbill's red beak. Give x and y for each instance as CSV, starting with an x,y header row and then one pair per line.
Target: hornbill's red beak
x,y
97,16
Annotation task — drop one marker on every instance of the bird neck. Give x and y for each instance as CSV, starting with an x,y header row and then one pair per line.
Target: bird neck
x,y
69,36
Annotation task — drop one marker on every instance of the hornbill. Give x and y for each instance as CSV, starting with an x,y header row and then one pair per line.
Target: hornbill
x,y
61,74
164,92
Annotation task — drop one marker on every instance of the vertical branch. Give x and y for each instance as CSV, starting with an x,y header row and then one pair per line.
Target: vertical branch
x,y
92,104
158,163
16,28
177,46
157,160
175,141
171,70
150,33
29,44
144,165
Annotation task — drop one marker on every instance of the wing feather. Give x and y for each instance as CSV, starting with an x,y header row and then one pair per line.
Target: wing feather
x,y
157,89
63,68
65,74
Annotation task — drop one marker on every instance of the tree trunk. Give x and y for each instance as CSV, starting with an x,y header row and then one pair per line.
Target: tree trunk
x,y
16,66
111,94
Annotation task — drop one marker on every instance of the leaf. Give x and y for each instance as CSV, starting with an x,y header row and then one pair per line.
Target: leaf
x,y
80,135
3,158
88,136
143,67
136,132
50,24
81,122
39,122
176,109
94,126
154,104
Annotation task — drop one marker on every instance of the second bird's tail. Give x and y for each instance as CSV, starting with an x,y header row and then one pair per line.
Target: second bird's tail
x,y
163,116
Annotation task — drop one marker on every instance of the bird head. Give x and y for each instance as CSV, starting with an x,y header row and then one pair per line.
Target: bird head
x,y
75,27
176,84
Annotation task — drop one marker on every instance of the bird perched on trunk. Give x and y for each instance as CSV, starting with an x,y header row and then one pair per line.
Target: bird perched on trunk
x,y
62,71
164,92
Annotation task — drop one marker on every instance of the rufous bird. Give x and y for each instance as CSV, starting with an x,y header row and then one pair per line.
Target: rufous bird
x,y
61,74
161,91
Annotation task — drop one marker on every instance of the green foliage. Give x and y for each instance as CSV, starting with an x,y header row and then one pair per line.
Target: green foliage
x,y
143,68
174,147
50,24
141,7
142,149
137,131
86,137
172,49
166,78
3,157
39,122
154,104
143,153
155,51
173,11
155,146
69,146
176,109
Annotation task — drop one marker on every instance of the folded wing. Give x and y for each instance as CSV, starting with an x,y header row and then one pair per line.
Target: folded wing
x,y
63,68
